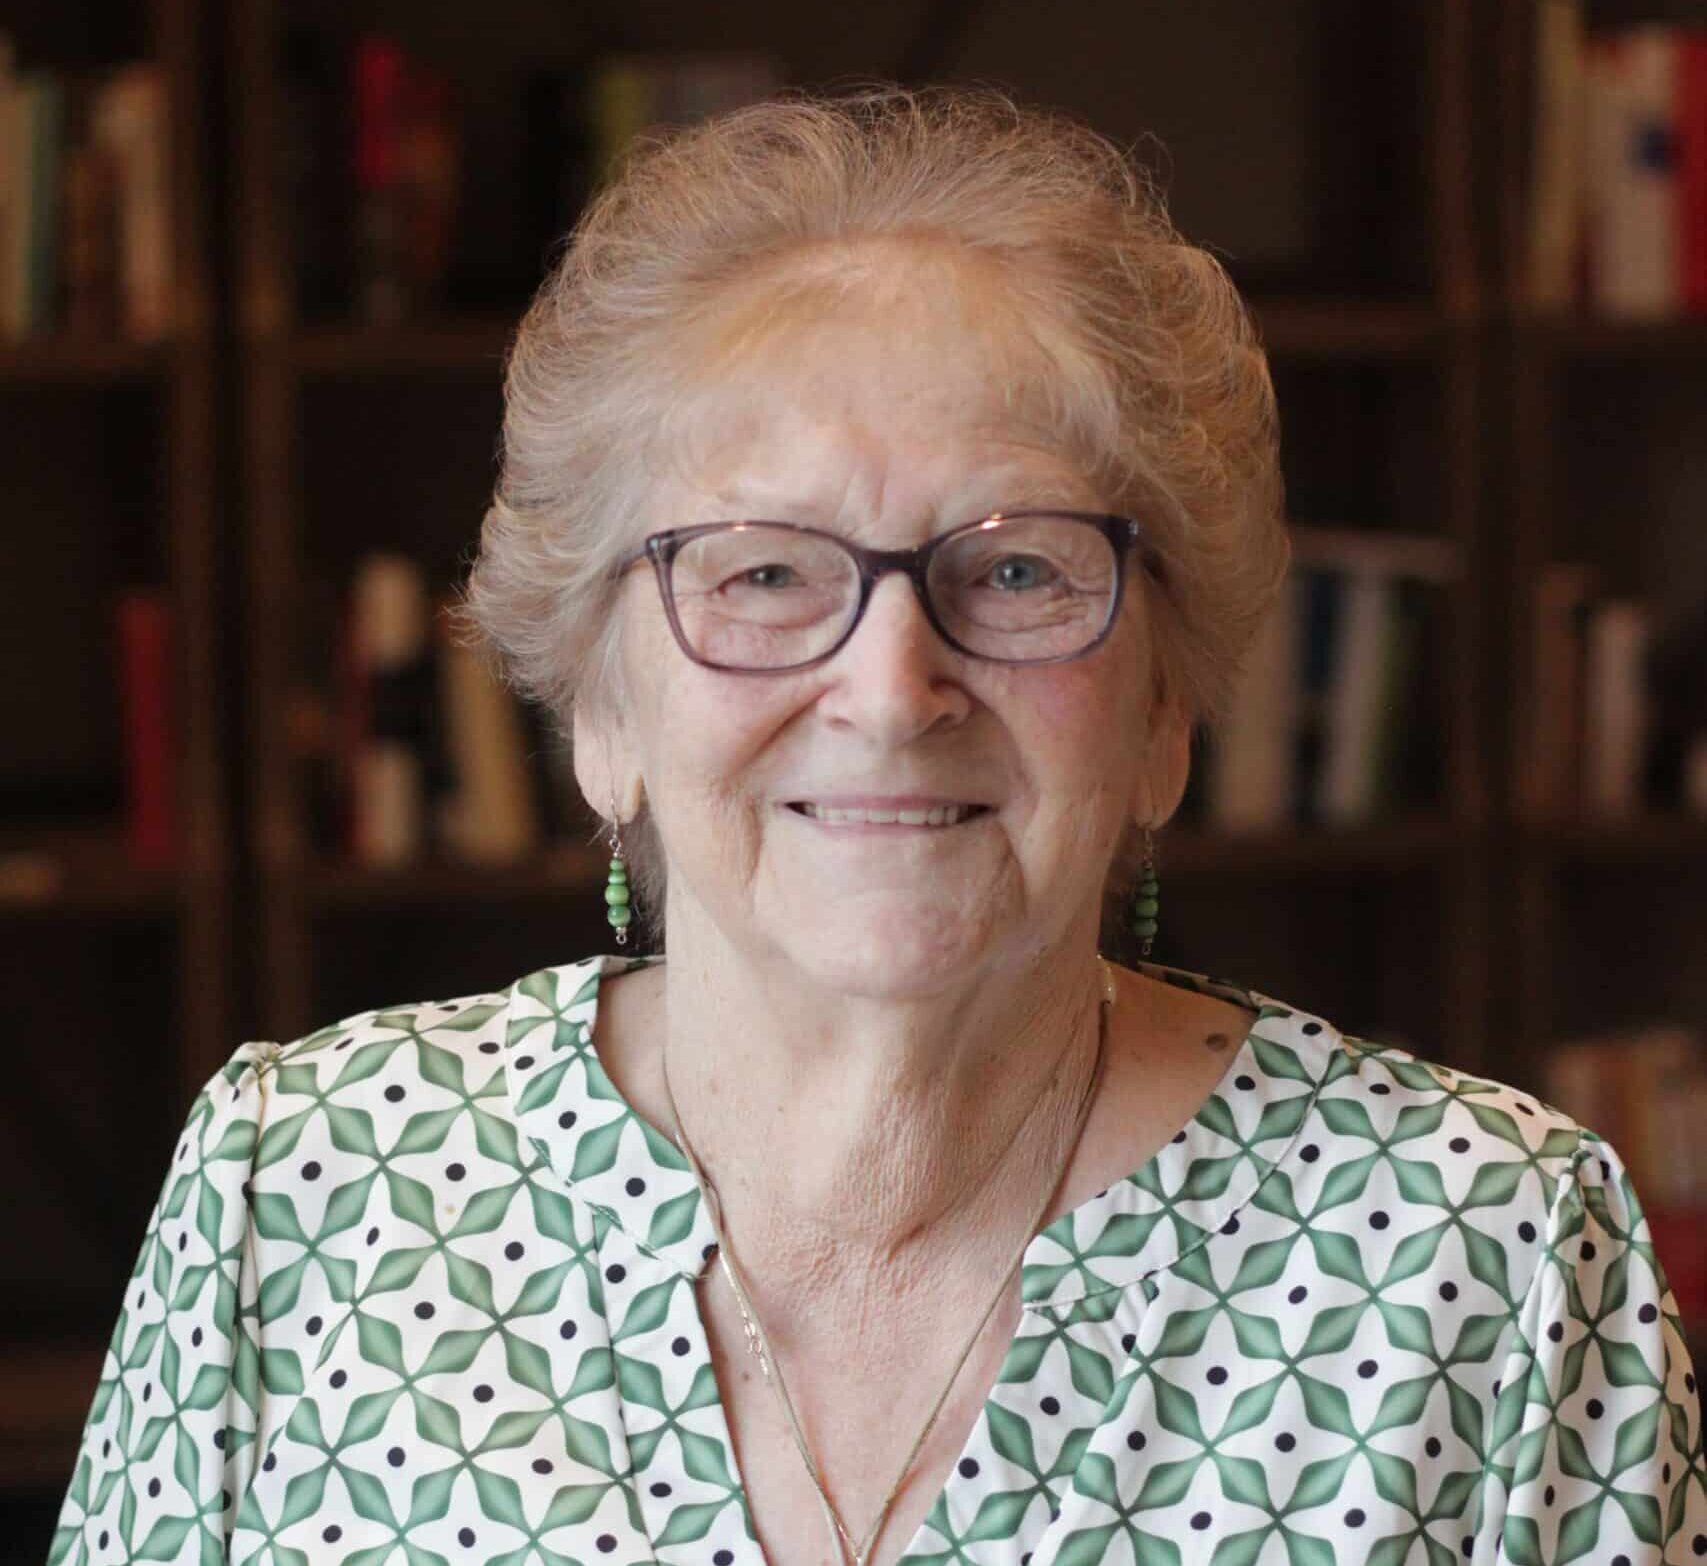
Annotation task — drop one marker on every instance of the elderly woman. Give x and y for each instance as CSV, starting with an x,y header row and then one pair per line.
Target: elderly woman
x,y
887,492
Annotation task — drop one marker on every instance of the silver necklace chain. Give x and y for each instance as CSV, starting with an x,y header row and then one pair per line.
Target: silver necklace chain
x,y
758,1345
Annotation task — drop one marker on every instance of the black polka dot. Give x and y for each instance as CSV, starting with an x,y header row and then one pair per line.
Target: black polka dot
x,y
1217,1375
1547,1496
513,1251
1136,1440
1200,1520
616,1272
722,1558
709,1247
1605,1170
1367,1369
1179,1136
489,1048
1309,1152
1231,1226
147,1390
679,1347
1449,1290
567,1330
339,1377
1379,1220
1467,1547
183,1241
219,1439
153,1487
1354,1518
271,1463
606,1543
1432,1446
1496,1389
313,1326
372,1236
196,1338
968,1468
1594,1408
465,1537
1297,1295
661,1488
1525,1109
1244,1084
1620,1560
1129,1342
424,1310
1459,1144
102,1541
524,1062
395,1457
1526,1231
1647,1313
1050,1405
1383,1088
1689,1379
1286,1440
1556,1331
542,1465
311,1170
332,1533
394,1094
1699,1544
342,1044
483,1393
1312,1028
455,1172
635,1186
566,1119
1588,1250
107,1446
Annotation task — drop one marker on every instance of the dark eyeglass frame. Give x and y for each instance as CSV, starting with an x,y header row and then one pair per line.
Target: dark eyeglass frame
x,y
1123,533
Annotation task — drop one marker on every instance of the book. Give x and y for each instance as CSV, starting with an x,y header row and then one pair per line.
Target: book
x,y
128,121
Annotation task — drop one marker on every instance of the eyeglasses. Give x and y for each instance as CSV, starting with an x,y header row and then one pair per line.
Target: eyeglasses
x,y
769,597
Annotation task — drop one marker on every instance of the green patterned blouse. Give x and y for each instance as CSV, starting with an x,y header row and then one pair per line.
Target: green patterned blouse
x,y
419,1288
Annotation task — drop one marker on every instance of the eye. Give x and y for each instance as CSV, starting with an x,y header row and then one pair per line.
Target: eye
x,y
1013,573
775,575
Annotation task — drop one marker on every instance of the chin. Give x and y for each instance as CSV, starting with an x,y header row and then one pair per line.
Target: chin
x,y
903,949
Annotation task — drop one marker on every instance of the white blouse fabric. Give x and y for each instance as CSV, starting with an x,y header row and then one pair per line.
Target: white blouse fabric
x,y
419,1288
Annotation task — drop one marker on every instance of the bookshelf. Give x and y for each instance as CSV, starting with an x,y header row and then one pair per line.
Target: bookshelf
x,y
119,968
1418,396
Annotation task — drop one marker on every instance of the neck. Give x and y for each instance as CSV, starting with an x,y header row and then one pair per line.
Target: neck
x,y
859,1143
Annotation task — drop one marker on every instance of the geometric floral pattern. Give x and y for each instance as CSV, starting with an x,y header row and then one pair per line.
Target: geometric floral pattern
x,y
419,1288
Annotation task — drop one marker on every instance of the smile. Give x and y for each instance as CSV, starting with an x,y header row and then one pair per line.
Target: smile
x,y
935,816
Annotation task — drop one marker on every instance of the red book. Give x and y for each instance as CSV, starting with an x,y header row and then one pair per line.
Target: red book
x,y
1692,161
145,707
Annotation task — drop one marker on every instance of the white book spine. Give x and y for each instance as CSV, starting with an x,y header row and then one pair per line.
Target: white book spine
x,y
1616,692
1354,701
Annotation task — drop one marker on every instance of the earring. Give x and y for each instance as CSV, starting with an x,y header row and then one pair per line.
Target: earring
x,y
1148,899
617,907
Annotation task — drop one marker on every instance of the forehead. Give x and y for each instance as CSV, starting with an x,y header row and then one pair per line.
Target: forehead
x,y
834,361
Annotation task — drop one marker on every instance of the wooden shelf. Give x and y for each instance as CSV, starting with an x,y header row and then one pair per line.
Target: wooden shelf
x,y
1638,837
1389,845
1303,328
88,872
459,344
561,870
79,361
1581,336
45,1395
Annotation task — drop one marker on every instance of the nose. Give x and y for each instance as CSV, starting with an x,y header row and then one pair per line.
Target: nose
x,y
895,678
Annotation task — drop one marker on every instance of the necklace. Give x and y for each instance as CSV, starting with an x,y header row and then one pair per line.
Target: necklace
x,y
758,1344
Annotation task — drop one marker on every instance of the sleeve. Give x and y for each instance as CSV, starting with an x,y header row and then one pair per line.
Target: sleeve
x,y
167,1444
1595,1444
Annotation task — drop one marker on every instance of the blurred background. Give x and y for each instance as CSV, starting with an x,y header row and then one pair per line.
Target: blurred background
x,y
259,264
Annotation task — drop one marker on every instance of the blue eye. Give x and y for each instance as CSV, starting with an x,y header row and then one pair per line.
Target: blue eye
x,y
1017,572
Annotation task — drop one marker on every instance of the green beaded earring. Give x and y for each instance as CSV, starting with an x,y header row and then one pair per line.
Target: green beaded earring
x,y
618,908
1148,899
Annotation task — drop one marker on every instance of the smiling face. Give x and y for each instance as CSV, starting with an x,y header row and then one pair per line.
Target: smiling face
x,y
886,420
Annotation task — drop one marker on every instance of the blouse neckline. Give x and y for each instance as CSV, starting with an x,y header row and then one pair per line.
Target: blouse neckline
x,y
632,1175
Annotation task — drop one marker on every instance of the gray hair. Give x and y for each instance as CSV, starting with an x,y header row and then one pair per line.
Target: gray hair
x,y
1163,391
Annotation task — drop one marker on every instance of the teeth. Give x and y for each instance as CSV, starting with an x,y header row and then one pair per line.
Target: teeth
x,y
937,815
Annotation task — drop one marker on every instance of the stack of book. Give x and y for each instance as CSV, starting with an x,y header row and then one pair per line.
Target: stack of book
x,y
1618,721
85,242
1337,719
1617,199
420,751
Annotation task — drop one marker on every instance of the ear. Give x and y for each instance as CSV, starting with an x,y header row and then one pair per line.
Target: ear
x,y
603,766
1166,767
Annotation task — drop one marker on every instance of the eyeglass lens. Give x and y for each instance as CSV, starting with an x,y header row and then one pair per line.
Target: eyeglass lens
x,y
765,597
